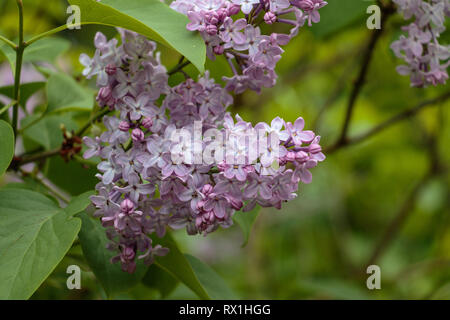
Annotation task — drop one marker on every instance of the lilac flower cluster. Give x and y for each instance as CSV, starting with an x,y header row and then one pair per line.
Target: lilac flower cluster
x,y
144,189
426,59
251,55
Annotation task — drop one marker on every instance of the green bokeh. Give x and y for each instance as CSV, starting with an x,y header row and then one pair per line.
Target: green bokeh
x,y
317,246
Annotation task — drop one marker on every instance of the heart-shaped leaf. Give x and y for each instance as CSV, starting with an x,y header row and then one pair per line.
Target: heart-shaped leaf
x,y
47,49
246,220
26,91
151,18
93,241
214,285
179,267
65,94
35,234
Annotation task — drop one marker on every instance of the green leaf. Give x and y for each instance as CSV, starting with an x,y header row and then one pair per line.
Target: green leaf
x,y
246,220
151,18
158,278
26,91
47,131
26,185
71,176
79,204
214,285
35,234
179,267
65,94
339,14
93,242
47,49
6,146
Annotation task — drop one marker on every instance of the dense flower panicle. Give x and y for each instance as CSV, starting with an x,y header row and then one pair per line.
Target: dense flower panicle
x,y
251,55
426,59
174,157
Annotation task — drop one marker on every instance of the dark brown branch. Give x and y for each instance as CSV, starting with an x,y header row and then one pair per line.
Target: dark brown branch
x,y
398,221
40,156
388,123
401,116
18,162
178,68
362,75
436,168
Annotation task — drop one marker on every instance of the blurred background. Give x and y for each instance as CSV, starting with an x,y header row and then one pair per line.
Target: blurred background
x,y
375,194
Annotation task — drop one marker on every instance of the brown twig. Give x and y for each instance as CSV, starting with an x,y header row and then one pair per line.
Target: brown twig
x,y
362,75
178,68
388,123
398,221
40,156
435,169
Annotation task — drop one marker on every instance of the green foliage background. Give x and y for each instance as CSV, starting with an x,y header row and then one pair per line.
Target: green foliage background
x,y
318,245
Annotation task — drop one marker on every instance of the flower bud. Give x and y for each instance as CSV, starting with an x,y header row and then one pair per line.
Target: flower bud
x,y
290,156
315,148
211,29
147,123
234,9
128,253
124,126
221,14
127,206
301,156
222,166
200,205
212,18
137,135
236,204
219,50
104,93
198,222
111,69
207,189
270,18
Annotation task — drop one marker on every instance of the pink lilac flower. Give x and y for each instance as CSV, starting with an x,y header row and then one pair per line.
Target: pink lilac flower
x,y
426,59
150,181
251,55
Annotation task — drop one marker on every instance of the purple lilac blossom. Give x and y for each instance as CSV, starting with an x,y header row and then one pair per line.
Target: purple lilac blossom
x,y
426,59
142,190
251,55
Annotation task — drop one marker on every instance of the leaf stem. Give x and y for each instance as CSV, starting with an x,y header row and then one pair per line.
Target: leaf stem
x,y
19,59
41,181
5,108
101,114
52,32
8,42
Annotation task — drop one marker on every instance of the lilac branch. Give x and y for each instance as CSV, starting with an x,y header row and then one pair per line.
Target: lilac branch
x,y
362,75
389,123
